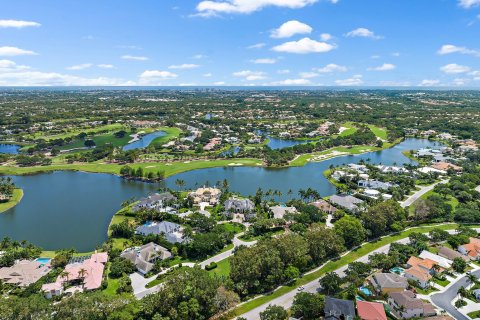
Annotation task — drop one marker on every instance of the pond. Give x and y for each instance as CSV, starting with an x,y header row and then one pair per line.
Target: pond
x,y
73,209
276,143
144,141
9,148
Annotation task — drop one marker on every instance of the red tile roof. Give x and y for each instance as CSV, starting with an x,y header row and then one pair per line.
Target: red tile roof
x,y
371,310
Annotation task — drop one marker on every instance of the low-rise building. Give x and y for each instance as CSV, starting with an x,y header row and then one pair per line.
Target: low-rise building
x,y
419,275
279,212
155,201
471,249
207,195
450,254
237,206
375,184
405,305
24,272
324,206
347,202
388,282
371,310
144,257
173,232
441,261
339,309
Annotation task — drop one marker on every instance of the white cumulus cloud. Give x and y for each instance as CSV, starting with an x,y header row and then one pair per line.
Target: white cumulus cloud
x,y
18,24
185,66
106,66
429,83
383,67
250,75
308,75
136,58
326,36
291,28
80,66
305,45
292,82
467,4
331,67
257,46
14,51
264,61
454,68
355,80
212,8
363,33
450,48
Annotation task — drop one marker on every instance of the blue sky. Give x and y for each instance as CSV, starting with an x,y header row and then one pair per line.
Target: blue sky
x,y
240,42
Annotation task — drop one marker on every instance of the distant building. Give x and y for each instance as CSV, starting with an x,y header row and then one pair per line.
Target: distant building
x,y
375,184
208,195
324,206
279,212
245,207
156,201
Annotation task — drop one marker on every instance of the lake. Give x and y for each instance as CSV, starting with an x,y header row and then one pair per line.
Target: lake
x,y
9,148
73,209
276,143
144,141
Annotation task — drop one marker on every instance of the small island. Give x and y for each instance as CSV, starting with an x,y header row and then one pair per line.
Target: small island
x,y
10,196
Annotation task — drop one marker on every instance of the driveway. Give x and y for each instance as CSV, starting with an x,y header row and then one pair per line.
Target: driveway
x,y
444,300
419,193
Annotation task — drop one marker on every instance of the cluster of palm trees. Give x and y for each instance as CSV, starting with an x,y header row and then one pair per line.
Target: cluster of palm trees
x,y
309,194
82,274
471,280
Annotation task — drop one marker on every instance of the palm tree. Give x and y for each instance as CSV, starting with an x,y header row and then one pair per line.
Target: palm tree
x,y
64,275
180,182
462,292
82,273
471,279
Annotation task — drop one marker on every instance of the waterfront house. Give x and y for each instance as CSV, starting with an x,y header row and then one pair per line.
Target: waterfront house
x,y
388,282
371,310
347,202
375,184
444,166
86,273
279,212
24,272
173,232
339,309
156,201
471,249
144,257
236,206
207,195
450,254
324,206
405,305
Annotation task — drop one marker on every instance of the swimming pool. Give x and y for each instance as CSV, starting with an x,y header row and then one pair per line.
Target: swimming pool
x,y
397,270
366,291
43,261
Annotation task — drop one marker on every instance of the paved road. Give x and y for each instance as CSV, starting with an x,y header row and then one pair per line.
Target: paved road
x,y
444,300
419,193
286,300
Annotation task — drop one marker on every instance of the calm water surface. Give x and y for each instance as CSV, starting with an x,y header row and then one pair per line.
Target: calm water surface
x,y
144,141
9,148
73,209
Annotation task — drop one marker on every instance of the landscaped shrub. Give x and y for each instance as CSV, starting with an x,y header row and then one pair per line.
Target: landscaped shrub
x,y
211,266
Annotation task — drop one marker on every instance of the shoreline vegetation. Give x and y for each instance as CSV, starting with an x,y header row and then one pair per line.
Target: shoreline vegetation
x,y
173,168
16,198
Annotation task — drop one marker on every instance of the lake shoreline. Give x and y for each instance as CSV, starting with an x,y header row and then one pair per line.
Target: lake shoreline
x,y
15,200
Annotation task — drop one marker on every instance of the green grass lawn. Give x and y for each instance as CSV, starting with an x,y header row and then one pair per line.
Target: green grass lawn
x,y
235,227
474,314
332,266
72,133
222,269
16,198
442,283
171,133
99,140
379,132
426,291
450,200
350,129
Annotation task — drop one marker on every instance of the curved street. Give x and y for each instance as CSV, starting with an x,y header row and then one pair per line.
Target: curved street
x,y
444,300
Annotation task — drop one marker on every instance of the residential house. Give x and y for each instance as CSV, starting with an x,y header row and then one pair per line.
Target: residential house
x,y
450,254
144,257
375,194
339,309
418,275
371,310
279,212
155,201
391,169
441,261
375,184
243,207
476,293
88,273
207,195
324,206
444,166
360,168
471,249
388,282
347,202
24,272
405,305
173,232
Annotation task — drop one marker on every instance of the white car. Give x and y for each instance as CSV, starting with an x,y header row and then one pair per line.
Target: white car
x,y
301,288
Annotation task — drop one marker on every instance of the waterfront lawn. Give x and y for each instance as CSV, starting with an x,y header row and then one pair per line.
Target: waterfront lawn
x,y
331,266
75,132
99,140
171,133
350,129
379,132
16,198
